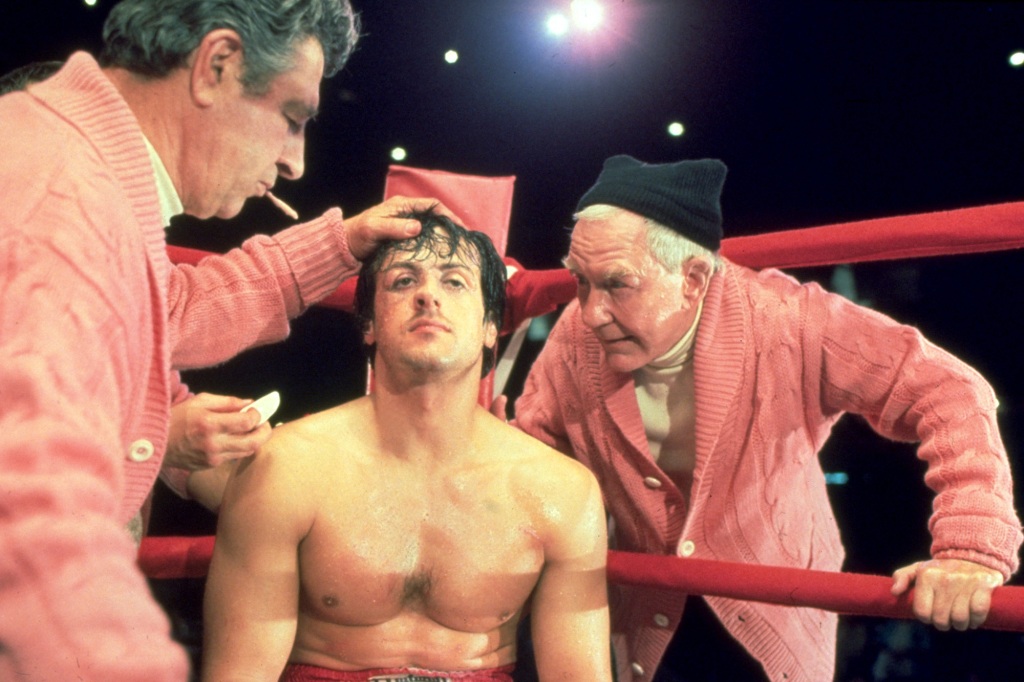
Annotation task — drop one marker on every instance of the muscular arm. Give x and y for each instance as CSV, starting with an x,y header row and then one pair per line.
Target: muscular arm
x,y
570,603
251,602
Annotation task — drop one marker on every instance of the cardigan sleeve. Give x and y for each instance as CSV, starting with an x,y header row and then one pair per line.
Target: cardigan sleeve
x,y
245,298
908,389
72,603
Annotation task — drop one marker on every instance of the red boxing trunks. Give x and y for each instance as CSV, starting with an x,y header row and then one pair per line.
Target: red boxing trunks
x,y
299,672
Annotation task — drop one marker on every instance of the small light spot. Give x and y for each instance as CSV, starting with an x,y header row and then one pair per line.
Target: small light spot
x,y
398,154
1017,59
451,56
676,129
558,24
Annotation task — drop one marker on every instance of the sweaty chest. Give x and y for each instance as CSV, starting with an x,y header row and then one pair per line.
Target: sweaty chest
x,y
467,564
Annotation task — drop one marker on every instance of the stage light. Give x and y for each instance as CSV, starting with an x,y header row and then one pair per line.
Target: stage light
x,y
398,154
1017,58
588,14
558,24
90,3
676,129
451,56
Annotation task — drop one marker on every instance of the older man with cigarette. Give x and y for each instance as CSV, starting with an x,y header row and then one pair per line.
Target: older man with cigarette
x,y
193,107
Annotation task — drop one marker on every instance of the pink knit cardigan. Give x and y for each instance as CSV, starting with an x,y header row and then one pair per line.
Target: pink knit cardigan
x,y
92,319
776,364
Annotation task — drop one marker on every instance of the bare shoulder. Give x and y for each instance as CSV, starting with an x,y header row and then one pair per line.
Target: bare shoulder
x,y
558,481
297,455
542,458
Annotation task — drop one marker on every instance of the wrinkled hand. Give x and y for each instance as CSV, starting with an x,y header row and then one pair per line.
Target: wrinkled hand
x,y
374,225
949,592
207,430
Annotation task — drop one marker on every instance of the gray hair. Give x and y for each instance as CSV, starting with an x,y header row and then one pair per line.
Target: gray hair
x,y
668,247
154,37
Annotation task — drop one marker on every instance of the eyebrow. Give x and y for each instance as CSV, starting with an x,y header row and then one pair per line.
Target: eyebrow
x,y
415,266
605,276
297,108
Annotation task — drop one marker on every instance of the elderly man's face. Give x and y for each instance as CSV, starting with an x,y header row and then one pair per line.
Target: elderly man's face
x,y
636,307
250,140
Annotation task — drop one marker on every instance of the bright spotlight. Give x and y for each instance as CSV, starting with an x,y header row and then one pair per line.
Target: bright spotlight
x,y
1017,58
398,154
451,56
558,24
588,14
90,3
676,129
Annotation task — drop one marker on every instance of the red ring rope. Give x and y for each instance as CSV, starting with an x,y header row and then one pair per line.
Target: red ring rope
x,y
532,293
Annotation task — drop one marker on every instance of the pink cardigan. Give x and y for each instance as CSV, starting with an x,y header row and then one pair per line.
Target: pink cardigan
x,y
776,364
92,319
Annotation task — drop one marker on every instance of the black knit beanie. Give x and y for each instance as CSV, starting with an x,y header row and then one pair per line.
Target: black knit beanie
x,y
683,196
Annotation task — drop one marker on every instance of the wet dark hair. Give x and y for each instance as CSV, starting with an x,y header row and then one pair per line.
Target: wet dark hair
x,y
443,238
154,37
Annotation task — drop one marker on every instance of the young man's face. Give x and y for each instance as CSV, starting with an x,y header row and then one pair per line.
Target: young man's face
x,y
429,314
250,140
637,309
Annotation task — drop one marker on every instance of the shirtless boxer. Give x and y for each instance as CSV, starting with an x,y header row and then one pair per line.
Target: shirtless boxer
x,y
399,536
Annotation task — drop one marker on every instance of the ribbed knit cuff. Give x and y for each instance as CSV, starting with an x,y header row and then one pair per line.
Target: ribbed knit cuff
x,y
318,255
981,539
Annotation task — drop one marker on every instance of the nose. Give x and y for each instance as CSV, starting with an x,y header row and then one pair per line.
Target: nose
x,y
426,296
292,163
593,308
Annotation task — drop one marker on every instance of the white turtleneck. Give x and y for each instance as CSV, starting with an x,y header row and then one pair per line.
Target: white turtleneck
x,y
664,391
170,203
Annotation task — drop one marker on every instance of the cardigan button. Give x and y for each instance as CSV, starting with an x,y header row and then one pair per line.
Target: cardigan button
x,y
140,450
637,669
687,548
652,482
661,620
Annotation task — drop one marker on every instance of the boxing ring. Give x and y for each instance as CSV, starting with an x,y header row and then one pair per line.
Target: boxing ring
x,y
533,293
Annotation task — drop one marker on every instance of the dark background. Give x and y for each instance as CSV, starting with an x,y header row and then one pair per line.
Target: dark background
x,y
825,111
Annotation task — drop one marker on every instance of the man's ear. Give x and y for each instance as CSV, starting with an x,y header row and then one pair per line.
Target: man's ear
x,y
490,333
696,278
215,63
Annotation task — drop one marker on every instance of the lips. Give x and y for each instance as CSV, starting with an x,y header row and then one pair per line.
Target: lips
x,y
430,324
614,342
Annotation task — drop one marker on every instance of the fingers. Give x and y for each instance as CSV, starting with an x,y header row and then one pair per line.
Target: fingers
x,y
238,445
219,403
979,605
949,594
903,578
215,431
380,223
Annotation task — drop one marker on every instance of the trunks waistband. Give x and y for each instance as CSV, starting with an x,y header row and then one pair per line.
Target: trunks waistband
x,y
301,672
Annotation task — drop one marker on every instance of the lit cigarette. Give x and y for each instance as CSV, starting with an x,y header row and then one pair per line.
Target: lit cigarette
x,y
285,208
